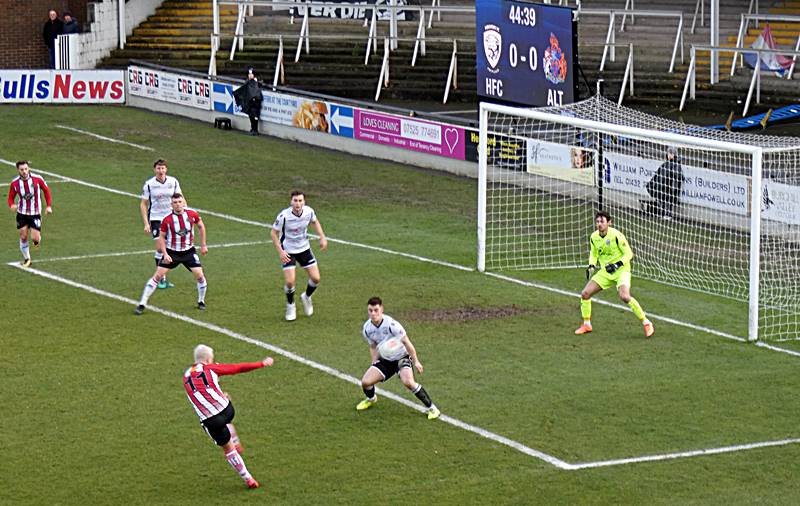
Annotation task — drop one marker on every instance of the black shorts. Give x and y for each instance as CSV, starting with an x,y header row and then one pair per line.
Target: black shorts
x,y
188,258
155,229
304,258
217,425
391,367
33,221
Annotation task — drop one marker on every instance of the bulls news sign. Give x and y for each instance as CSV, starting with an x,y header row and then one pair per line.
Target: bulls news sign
x,y
62,87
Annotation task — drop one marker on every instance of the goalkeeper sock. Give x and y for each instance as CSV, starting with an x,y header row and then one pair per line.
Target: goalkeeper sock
x,y
637,309
586,309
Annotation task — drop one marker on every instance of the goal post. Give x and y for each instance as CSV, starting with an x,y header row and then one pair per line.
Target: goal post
x,y
543,173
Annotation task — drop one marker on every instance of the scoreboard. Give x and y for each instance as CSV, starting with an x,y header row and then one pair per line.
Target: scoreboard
x,y
526,53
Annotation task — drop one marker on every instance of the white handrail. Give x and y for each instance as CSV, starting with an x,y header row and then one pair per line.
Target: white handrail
x,y
372,39
303,34
212,62
383,78
794,59
628,74
699,6
610,39
690,80
625,16
756,79
279,64
678,35
452,75
420,37
743,26
434,3
238,32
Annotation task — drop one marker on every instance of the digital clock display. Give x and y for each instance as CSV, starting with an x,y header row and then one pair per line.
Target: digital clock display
x,y
525,53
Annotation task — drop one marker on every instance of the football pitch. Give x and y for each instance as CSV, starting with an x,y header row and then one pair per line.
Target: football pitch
x,y
95,410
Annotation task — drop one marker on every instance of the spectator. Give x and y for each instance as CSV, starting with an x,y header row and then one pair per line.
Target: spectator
x,y
249,98
53,27
665,186
70,24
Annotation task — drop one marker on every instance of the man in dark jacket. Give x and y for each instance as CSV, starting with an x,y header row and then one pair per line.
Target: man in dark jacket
x,y
665,186
70,24
53,27
248,97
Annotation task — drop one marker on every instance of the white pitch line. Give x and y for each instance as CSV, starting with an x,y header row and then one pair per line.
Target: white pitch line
x,y
619,306
302,360
509,279
683,455
48,183
527,450
144,251
104,138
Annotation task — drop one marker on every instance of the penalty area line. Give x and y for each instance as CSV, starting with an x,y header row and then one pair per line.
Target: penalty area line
x,y
104,138
142,252
434,262
686,454
515,445
302,360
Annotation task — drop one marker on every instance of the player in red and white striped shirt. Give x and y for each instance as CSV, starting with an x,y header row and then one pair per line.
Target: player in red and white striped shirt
x,y
213,406
176,243
29,188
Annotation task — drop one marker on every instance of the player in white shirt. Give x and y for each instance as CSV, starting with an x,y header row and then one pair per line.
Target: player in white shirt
x,y
290,237
391,351
156,203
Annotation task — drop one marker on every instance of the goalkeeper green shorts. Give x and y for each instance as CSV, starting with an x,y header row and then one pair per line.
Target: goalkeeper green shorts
x,y
606,280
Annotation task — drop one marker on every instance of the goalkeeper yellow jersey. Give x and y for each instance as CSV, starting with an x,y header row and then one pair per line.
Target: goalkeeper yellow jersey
x,y
609,249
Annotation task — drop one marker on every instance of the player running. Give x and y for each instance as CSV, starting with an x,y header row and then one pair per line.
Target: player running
x,y
290,237
214,407
155,205
389,360
29,188
610,258
176,243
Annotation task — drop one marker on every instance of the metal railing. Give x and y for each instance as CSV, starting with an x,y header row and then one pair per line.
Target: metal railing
x,y
744,26
452,74
689,86
611,36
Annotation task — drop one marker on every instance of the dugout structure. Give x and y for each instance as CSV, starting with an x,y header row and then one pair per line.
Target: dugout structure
x,y
734,233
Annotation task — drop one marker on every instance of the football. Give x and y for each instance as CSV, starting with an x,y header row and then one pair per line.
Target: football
x,y
392,349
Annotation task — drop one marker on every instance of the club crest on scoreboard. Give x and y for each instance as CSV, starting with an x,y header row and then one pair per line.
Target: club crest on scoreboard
x,y
554,61
492,46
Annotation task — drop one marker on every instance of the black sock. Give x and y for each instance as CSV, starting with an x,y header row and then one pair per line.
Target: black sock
x,y
369,392
290,296
423,396
310,289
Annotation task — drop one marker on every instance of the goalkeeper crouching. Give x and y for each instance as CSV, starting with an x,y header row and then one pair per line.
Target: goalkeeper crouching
x,y
610,258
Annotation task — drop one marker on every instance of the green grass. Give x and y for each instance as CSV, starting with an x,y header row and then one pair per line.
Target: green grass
x,y
96,414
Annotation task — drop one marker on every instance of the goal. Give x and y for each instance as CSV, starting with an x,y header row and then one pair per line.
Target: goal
x,y
733,232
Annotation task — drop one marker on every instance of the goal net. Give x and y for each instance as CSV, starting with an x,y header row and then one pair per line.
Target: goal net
x,y
728,224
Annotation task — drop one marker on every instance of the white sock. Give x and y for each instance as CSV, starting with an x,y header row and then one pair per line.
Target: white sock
x,y
236,462
201,290
25,249
149,288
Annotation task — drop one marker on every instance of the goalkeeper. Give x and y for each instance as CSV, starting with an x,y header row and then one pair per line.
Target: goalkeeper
x,y
609,265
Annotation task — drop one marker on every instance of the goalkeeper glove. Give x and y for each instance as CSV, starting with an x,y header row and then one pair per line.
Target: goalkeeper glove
x,y
591,270
612,268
